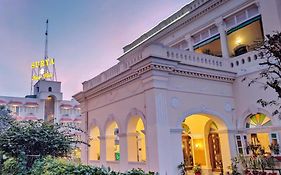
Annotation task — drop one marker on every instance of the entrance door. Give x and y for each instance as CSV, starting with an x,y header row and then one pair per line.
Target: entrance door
x,y
187,151
215,151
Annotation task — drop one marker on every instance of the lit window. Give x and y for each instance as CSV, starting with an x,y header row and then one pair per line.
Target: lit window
x,y
258,120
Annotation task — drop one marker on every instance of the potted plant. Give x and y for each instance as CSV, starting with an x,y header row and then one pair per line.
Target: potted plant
x,y
274,148
182,168
197,169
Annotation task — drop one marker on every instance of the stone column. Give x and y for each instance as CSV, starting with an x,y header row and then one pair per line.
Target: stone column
x,y
123,151
189,40
176,146
223,37
228,148
84,137
103,150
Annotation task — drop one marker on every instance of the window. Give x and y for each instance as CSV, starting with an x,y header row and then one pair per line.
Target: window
x,y
239,144
50,89
242,144
241,16
258,120
205,34
274,143
15,109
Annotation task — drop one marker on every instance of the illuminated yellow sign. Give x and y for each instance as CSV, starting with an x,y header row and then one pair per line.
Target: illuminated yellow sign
x,y
43,63
43,71
43,76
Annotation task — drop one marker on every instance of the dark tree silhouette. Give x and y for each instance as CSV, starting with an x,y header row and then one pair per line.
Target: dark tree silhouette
x,y
270,59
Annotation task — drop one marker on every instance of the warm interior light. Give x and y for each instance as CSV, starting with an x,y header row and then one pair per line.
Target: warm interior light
x,y
238,41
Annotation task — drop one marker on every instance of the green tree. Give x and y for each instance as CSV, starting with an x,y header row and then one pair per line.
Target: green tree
x,y
27,141
5,118
5,122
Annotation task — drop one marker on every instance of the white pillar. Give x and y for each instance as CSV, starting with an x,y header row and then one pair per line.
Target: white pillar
x,y
85,148
165,151
176,146
223,37
228,149
189,40
103,150
123,152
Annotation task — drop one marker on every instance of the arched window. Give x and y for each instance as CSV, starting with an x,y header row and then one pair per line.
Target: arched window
x,y
259,139
94,149
136,140
258,120
112,142
50,109
50,89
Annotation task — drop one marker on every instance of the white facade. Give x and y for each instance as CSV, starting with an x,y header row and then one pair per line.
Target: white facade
x,y
33,107
185,71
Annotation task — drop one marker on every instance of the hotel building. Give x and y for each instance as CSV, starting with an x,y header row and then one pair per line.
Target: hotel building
x,y
46,104
176,94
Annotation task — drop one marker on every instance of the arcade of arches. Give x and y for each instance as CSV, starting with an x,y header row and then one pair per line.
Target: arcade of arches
x,y
205,143
135,136
202,143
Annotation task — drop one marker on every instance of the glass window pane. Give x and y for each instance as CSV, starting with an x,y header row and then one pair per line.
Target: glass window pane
x,y
252,11
240,17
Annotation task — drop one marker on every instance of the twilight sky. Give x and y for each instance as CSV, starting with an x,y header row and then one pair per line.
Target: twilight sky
x,y
85,37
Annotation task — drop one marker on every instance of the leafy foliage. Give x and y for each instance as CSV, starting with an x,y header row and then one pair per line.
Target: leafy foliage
x,y
36,138
53,166
28,141
270,56
5,118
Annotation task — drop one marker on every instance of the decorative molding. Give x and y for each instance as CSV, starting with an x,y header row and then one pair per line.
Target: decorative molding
x,y
186,15
111,85
176,130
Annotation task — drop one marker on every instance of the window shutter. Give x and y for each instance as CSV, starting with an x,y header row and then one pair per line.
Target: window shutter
x,y
239,144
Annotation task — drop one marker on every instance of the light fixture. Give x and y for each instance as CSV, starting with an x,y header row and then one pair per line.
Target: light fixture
x,y
238,41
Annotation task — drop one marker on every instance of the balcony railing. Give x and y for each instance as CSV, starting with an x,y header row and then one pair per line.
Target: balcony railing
x,y
232,65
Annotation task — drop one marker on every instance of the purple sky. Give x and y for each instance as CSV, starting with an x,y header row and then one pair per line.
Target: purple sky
x,y
85,37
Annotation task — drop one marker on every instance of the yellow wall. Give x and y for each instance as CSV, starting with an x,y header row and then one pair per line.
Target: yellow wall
x,y
264,141
111,148
214,47
94,149
199,151
245,36
136,140
196,124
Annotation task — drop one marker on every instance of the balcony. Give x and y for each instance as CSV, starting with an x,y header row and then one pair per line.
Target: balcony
x,y
241,64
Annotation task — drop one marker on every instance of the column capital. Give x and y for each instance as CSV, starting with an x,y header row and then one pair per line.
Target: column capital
x,y
188,36
219,21
189,40
176,130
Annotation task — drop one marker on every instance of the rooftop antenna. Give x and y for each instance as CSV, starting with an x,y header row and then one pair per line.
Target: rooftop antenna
x,y
41,69
45,68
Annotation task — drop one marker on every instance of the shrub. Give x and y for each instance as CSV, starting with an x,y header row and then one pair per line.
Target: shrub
x,y
51,166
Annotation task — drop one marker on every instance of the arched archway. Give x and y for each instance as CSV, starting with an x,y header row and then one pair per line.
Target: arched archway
x,y
202,138
94,149
50,109
112,142
136,140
